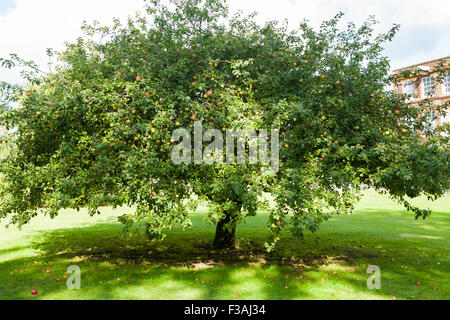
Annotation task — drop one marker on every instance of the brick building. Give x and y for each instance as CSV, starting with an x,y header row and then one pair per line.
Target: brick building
x,y
422,84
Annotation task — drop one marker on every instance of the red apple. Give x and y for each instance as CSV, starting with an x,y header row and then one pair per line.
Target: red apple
x,y
33,292
48,271
209,93
138,78
28,93
193,117
418,283
58,279
119,73
147,94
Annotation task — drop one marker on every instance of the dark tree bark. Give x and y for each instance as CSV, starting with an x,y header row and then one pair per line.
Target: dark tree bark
x,y
225,235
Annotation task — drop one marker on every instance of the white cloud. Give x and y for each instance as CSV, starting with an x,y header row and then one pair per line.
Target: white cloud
x,y
430,20
36,25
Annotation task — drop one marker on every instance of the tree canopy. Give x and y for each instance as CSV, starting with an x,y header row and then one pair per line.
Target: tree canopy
x,y
97,129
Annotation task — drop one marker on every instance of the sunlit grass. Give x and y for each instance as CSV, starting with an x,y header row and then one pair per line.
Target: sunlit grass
x,y
330,264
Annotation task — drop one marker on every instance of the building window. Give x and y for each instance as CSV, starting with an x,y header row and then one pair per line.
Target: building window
x,y
428,86
430,120
447,83
409,88
445,119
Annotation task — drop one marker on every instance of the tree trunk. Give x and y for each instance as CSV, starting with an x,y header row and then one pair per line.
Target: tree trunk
x,y
225,235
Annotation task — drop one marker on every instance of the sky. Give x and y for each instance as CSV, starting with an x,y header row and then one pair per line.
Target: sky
x,y
29,27
6,6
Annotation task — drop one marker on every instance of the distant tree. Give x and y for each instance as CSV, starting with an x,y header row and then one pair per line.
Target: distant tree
x,y
97,130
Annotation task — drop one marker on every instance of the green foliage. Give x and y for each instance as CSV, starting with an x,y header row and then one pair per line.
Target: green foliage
x,y
97,129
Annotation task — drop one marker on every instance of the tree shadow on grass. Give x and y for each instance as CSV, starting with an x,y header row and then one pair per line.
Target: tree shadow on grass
x,y
185,266
11,250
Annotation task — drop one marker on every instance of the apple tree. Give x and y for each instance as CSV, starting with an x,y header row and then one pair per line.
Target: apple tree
x,y
98,128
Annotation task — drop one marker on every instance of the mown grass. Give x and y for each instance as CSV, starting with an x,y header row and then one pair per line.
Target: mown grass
x,y
330,264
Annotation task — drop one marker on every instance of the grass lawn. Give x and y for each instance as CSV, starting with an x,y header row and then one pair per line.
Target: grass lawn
x,y
330,264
